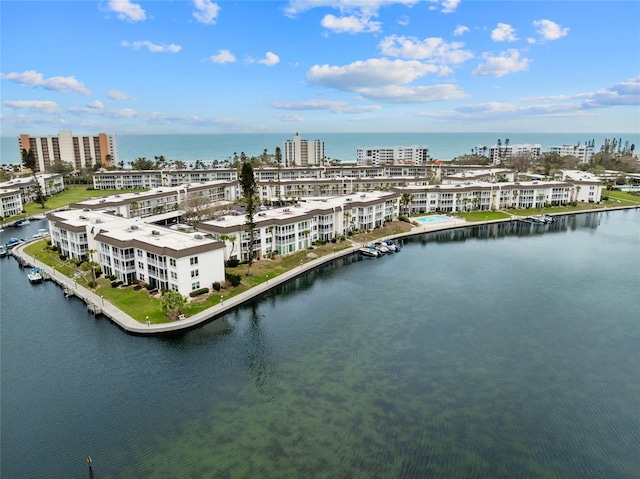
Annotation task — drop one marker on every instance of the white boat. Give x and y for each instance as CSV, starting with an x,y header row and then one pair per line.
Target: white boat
x,y
3,251
382,247
34,275
42,232
39,216
392,246
370,252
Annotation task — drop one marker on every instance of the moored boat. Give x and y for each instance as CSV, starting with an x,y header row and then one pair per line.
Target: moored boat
x,y
3,251
369,252
13,242
34,275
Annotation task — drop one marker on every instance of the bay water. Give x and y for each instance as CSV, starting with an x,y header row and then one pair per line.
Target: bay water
x,y
495,351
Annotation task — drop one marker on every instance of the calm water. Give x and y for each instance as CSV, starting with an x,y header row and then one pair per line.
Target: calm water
x,y
493,352
342,146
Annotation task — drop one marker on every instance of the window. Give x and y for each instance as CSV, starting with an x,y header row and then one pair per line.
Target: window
x,y
140,265
193,261
195,285
172,262
195,273
174,275
140,253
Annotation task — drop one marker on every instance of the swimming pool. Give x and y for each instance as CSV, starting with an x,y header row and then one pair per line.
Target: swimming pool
x,y
432,219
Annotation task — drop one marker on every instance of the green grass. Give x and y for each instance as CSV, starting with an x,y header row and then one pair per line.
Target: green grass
x,y
483,215
621,198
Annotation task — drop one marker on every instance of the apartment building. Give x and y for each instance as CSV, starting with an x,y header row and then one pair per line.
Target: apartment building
x,y
299,152
133,250
82,151
294,228
163,200
485,196
50,184
582,152
499,153
10,202
399,155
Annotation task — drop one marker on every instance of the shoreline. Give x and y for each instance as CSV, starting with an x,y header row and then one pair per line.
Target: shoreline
x,y
97,305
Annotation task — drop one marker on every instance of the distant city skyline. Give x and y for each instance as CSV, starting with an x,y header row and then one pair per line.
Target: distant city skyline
x,y
203,67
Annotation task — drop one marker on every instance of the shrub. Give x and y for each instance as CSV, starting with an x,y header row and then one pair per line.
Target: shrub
x,y
232,263
199,292
333,240
234,279
114,284
91,284
216,286
148,287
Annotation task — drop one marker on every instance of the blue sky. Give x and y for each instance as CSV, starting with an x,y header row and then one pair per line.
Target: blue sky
x,y
129,67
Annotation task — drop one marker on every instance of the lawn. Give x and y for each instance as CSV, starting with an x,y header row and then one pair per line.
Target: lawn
x,y
139,304
621,198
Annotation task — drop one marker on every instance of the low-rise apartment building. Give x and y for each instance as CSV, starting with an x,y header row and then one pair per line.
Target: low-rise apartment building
x,y
293,228
581,152
50,184
10,202
133,250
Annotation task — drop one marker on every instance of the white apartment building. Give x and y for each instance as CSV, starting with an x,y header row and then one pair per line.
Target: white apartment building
x,y
499,153
485,196
299,152
294,228
50,184
588,186
162,200
399,155
133,250
10,202
582,152
82,151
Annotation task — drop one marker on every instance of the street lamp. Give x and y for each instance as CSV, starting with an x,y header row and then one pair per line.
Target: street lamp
x,y
148,323
221,299
301,263
102,296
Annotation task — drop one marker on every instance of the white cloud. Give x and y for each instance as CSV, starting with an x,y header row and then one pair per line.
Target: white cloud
x,y
433,48
96,104
414,94
460,30
621,94
498,66
49,107
223,56
448,6
35,79
127,10
270,59
503,33
549,30
373,73
206,11
152,47
350,24
299,6
118,95
325,105
290,118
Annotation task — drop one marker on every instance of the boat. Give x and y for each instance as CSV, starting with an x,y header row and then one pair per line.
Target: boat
x,y
3,251
22,222
536,220
392,246
12,242
369,252
34,275
382,247
39,216
42,232
548,218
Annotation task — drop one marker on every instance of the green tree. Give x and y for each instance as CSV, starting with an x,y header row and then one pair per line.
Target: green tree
x,y
60,167
172,302
406,200
142,164
29,159
249,189
37,189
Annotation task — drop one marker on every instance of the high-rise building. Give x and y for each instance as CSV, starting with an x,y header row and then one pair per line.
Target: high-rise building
x,y
399,155
299,152
82,151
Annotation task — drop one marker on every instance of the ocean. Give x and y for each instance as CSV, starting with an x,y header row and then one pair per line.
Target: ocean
x,y
341,146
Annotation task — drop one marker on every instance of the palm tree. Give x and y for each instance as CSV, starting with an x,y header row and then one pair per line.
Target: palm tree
x,y
134,207
406,200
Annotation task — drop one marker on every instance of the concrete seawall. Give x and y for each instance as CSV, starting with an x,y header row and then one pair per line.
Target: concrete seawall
x,y
99,305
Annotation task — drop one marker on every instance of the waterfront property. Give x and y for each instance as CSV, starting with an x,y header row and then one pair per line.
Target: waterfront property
x,y
399,155
132,250
299,152
50,184
10,202
288,229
